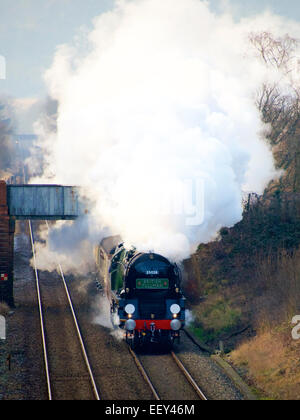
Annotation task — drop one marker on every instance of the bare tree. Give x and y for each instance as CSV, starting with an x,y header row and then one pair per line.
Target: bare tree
x,y
278,53
280,109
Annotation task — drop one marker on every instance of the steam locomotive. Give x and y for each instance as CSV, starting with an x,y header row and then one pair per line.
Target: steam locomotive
x,y
144,290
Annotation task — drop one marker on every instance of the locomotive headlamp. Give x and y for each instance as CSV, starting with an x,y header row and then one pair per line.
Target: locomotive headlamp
x,y
175,309
130,309
130,324
176,325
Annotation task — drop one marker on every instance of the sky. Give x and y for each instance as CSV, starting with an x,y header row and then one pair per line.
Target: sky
x,y
31,30
165,91
158,124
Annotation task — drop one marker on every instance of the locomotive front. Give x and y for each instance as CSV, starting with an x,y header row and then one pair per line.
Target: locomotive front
x,y
151,305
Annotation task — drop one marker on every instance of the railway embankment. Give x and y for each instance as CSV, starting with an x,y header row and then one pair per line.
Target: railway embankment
x,y
22,370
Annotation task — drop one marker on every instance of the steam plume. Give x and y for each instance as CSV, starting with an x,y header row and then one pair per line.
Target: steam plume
x,y
156,119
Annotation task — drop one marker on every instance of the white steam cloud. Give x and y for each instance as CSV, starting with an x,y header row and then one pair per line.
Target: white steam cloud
x,y
156,119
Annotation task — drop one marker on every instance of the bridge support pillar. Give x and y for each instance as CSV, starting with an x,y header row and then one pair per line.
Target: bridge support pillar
x,y
7,230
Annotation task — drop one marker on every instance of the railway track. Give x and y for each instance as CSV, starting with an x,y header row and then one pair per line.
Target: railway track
x,y
189,377
165,382
69,374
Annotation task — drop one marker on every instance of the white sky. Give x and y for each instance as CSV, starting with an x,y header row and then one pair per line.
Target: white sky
x,y
30,30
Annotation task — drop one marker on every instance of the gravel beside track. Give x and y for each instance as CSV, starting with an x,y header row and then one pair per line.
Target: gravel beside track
x,y
68,373
26,380
168,380
212,380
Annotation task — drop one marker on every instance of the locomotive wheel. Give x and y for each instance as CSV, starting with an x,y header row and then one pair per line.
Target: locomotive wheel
x,y
168,343
130,342
133,342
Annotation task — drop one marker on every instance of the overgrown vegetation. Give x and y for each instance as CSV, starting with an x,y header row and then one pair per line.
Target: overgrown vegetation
x,y
249,278
270,362
215,318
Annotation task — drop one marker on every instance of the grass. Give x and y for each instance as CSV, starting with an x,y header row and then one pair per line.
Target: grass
x,y
214,318
201,333
271,361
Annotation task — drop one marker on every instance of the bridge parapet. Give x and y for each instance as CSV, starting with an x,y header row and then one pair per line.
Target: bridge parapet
x,y
43,202
28,202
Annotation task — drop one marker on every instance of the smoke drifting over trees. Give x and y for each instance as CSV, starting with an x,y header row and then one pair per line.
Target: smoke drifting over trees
x,y
279,100
251,273
164,94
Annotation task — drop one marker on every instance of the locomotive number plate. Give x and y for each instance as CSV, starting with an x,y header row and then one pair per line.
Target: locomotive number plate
x,y
152,283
